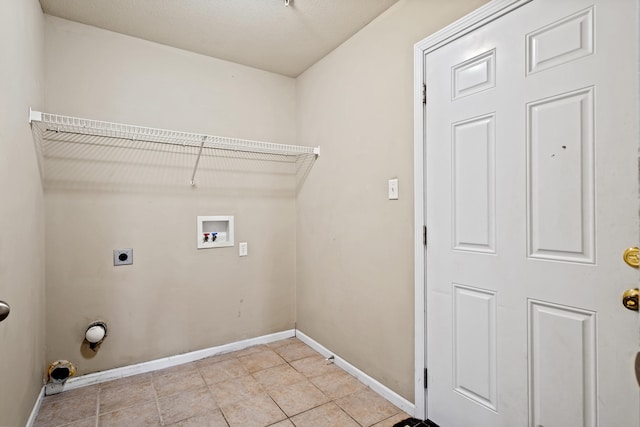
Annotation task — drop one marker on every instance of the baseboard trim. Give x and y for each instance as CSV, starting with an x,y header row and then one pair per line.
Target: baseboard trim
x,y
36,408
369,381
167,362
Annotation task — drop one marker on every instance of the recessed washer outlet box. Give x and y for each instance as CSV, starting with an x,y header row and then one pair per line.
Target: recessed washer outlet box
x,y
214,232
123,256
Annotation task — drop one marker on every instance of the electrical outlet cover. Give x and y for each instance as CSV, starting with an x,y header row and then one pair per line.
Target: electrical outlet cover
x,y
123,256
243,249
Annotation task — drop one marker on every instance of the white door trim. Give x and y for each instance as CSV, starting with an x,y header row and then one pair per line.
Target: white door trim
x,y
487,13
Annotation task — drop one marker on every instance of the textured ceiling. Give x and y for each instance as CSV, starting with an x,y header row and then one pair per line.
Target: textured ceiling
x,y
263,34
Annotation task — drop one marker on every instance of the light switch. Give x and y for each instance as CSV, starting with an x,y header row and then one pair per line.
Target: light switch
x,y
243,249
393,189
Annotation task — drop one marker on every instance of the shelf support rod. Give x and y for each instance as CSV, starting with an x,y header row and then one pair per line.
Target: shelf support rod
x,y
195,167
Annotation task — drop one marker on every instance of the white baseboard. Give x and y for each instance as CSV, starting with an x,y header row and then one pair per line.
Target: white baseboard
x,y
36,409
371,382
166,362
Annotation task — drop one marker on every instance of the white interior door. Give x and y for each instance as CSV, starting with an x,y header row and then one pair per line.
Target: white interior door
x,y
531,198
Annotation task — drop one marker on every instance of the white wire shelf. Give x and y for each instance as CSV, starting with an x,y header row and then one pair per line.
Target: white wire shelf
x,y
58,124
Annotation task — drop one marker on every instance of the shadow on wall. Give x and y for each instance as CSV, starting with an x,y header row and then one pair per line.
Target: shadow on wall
x,y
97,163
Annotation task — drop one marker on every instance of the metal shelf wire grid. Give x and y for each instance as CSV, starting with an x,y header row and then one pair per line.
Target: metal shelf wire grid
x,y
57,136
67,124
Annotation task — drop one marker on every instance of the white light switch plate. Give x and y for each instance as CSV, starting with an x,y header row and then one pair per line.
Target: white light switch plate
x,y
243,249
393,189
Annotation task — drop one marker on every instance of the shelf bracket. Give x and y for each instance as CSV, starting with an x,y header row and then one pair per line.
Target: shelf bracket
x,y
34,116
195,167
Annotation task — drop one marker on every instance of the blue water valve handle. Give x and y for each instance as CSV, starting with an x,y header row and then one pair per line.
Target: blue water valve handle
x,y
214,236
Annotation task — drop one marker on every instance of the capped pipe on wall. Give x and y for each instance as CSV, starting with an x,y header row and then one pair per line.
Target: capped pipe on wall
x,y
95,334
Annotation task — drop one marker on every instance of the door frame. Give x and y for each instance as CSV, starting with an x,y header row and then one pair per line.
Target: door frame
x,y
481,16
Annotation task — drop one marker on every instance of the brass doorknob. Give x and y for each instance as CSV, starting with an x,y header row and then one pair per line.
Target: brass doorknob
x,y
630,299
632,257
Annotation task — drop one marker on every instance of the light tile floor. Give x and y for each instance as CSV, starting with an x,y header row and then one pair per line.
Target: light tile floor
x,y
282,384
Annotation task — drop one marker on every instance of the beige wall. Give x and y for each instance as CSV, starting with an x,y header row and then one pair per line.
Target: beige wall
x,y
21,211
355,254
338,259
174,298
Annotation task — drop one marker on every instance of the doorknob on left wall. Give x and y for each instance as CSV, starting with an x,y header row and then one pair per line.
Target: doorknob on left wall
x,y
4,310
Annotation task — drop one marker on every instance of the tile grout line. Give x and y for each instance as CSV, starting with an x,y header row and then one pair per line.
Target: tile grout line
x,y
286,362
122,408
267,391
330,400
155,394
307,379
212,395
98,407
282,410
334,401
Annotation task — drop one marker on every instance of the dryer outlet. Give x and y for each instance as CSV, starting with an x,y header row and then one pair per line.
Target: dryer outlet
x,y
122,257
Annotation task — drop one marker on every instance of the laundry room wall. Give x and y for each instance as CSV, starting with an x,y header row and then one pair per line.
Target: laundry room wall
x,y
174,298
355,247
22,337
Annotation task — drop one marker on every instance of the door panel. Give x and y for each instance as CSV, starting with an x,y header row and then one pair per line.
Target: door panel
x,y
574,402
560,166
563,41
474,344
473,184
531,198
474,75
